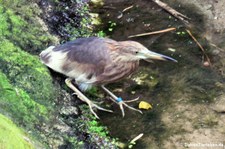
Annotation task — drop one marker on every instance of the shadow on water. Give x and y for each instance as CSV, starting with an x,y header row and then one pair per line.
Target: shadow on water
x,y
164,84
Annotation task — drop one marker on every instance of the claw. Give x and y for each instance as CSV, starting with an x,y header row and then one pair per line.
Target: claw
x,y
126,105
82,97
92,105
93,112
132,108
127,101
103,109
121,102
122,110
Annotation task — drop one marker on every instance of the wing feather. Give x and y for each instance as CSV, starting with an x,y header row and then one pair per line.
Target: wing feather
x,y
82,59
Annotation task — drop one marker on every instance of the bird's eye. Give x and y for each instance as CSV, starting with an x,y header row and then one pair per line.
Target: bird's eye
x,y
136,52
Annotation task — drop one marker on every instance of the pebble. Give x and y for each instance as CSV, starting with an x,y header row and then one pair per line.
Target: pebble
x,y
69,110
206,64
219,105
215,52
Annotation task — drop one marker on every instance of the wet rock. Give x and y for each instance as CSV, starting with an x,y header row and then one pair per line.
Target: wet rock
x,y
67,19
69,111
215,52
219,105
62,128
145,77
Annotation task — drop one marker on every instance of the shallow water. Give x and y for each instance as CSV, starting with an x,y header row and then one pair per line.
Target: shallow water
x,y
166,85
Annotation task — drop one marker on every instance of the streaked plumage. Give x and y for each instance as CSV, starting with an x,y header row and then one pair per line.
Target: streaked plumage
x,y
90,61
97,61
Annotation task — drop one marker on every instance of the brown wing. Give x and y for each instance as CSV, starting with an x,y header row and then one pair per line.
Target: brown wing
x,y
86,50
116,71
82,59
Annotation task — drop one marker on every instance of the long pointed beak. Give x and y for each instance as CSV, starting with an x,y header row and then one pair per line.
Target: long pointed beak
x,y
157,56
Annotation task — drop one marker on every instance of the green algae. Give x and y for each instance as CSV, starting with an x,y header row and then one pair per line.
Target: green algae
x,y
26,88
19,32
19,23
25,71
98,133
19,105
12,137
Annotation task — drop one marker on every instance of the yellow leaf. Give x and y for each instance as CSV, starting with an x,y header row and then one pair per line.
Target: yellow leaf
x,y
144,105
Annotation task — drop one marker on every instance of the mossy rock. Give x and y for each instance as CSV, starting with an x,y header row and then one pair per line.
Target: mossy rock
x,y
25,71
20,32
24,29
19,105
12,137
27,91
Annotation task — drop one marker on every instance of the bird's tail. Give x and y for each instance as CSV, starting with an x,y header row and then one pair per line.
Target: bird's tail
x,y
44,55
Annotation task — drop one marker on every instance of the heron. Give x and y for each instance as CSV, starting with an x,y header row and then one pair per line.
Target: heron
x,y
98,61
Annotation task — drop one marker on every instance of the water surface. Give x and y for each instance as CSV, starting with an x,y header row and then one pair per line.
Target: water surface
x,y
177,91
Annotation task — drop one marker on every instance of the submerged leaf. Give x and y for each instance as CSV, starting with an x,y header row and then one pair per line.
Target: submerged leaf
x,y
144,105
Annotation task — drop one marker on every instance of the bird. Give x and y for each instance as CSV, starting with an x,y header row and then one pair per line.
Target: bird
x,y
98,61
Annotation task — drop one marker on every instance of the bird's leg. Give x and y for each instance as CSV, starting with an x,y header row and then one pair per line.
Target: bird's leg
x,y
82,97
120,102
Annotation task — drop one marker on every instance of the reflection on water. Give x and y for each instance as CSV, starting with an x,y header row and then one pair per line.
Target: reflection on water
x,y
176,90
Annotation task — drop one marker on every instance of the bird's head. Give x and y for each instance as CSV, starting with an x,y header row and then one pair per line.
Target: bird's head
x,y
132,50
